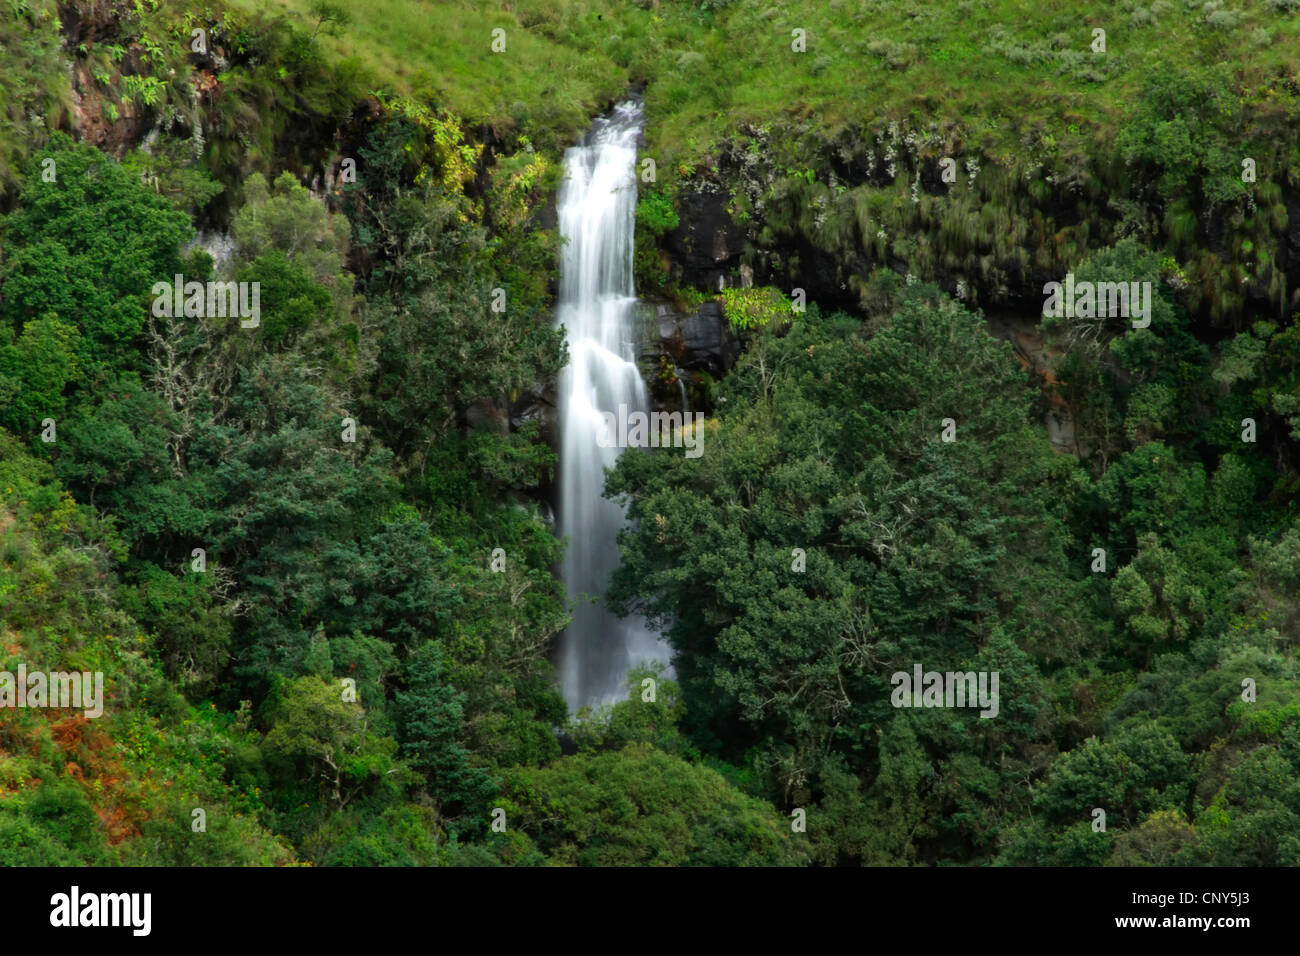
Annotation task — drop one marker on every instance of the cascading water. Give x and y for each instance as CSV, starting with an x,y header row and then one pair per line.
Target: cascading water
x,y
597,206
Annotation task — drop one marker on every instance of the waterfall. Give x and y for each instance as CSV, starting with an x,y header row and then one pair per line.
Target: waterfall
x,y
596,207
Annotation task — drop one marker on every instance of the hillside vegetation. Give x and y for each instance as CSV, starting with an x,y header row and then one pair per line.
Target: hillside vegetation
x,y
277,542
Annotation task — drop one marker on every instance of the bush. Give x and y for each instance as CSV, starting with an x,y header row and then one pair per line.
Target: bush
x,y
755,308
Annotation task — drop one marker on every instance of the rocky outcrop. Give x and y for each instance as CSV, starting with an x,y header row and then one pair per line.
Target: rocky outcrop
x,y
537,403
823,213
707,244
696,341
1291,250
682,353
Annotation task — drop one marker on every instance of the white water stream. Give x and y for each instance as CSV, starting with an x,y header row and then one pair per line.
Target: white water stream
x,y
596,207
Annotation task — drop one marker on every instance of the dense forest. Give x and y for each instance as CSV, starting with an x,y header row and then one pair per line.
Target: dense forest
x,y
314,554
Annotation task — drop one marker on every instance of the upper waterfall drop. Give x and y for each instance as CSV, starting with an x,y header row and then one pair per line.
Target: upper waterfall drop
x,y
597,209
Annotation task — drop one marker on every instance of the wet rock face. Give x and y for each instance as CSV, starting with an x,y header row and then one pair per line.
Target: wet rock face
x,y
707,252
682,353
706,245
487,414
1291,249
93,125
694,341
537,403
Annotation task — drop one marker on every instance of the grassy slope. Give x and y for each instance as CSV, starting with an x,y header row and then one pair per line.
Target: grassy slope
x,y
993,65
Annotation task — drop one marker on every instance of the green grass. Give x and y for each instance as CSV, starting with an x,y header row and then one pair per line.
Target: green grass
x,y
555,72
997,71
994,69
995,66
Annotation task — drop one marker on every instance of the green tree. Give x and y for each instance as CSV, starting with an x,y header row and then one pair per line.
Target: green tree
x,y
914,549
639,806
429,714
86,250
315,732
428,280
